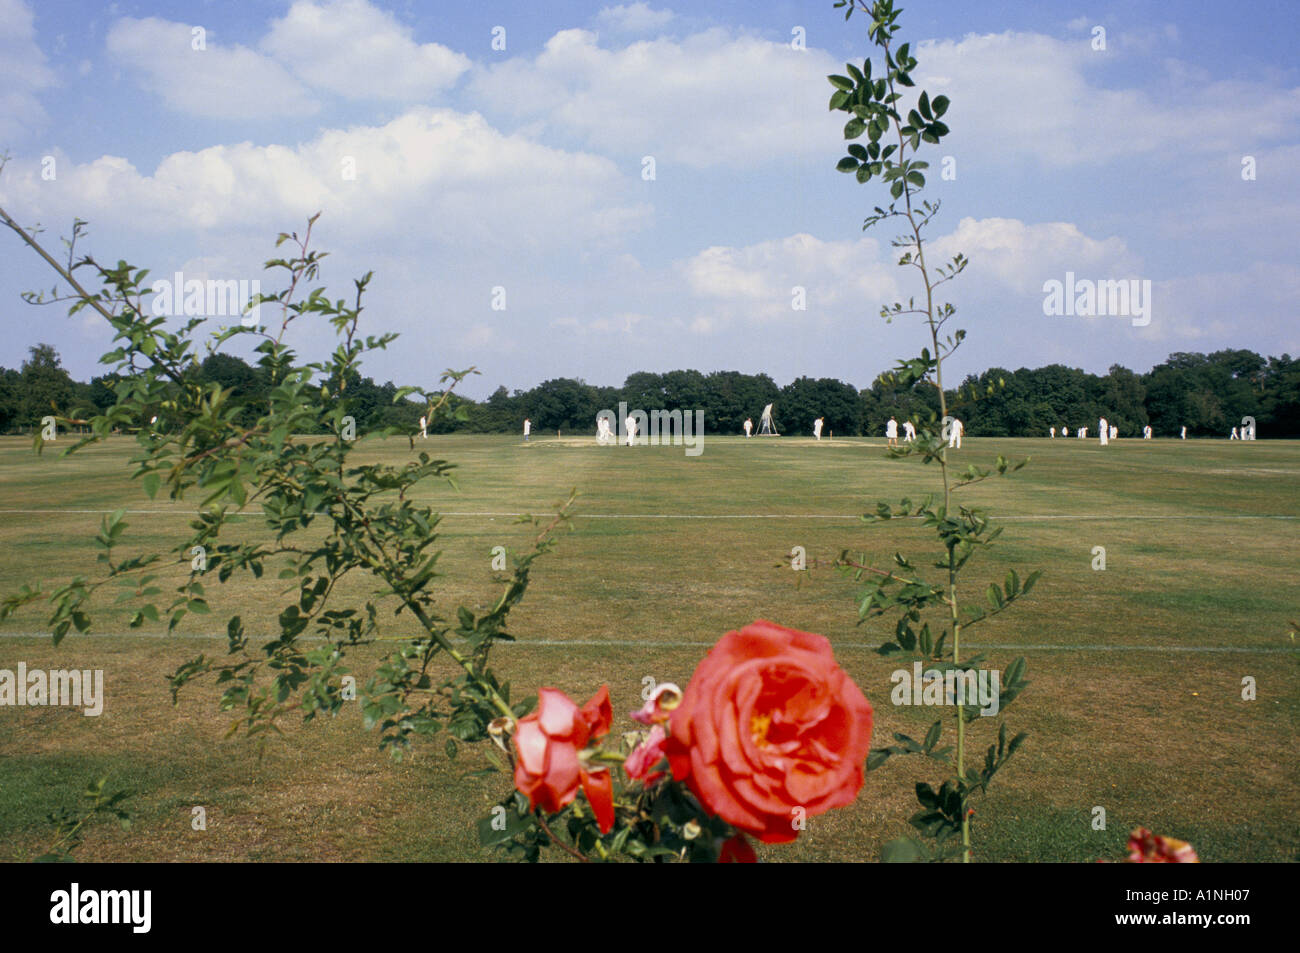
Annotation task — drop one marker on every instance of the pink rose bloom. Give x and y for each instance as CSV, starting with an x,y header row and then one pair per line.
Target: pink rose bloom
x,y
645,756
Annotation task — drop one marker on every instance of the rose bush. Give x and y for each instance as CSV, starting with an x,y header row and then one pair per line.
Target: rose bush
x,y
770,724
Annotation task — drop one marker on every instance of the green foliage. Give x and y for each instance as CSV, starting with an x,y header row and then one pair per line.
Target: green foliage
x,y
233,438
906,588
1199,391
329,518
70,824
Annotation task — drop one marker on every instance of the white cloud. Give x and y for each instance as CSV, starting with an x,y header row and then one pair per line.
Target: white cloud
x,y
845,281
720,97
24,73
757,282
215,82
354,49
709,99
1029,94
1020,257
633,18
447,176
346,47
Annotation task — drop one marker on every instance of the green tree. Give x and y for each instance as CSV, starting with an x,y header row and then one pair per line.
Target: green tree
x,y
804,399
46,387
11,399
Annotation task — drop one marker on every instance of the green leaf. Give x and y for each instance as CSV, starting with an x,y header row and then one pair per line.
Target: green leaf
x,y
847,164
940,105
841,82
854,128
901,851
509,823
151,483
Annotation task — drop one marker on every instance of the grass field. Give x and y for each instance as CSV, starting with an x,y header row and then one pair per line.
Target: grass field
x,y
1135,702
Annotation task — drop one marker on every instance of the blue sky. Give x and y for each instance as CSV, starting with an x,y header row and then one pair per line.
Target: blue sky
x,y
479,168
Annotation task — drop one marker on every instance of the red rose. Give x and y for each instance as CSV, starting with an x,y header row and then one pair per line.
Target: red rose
x,y
548,741
768,725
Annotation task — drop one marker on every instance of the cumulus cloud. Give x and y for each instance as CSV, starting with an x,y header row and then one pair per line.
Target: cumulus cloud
x,y
358,51
750,287
448,176
1030,94
722,97
346,47
706,100
216,82
758,282
24,73
1019,257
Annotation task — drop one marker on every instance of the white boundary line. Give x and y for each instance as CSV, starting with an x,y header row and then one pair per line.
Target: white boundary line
x,y
686,643
719,516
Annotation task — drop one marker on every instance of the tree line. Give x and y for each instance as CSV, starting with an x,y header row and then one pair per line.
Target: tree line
x,y
1207,393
